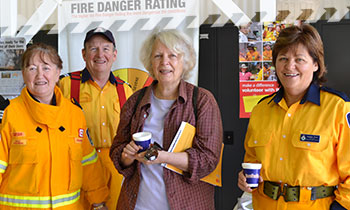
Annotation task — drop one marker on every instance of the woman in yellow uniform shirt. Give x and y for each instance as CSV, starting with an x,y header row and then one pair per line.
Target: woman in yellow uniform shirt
x,y
300,134
45,154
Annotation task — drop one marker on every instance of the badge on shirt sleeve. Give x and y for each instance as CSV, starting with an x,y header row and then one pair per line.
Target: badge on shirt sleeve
x,y
348,118
310,138
81,132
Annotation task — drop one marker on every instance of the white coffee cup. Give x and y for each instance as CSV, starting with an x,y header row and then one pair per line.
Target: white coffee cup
x,y
252,173
143,139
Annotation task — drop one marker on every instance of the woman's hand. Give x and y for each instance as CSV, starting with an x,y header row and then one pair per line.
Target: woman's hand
x,y
242,182
177,159
129,153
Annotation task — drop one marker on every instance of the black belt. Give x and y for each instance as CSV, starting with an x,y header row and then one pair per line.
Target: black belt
x,y
291,193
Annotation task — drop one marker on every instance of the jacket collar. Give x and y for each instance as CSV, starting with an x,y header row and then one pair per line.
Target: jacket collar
x,y
43,113
182,98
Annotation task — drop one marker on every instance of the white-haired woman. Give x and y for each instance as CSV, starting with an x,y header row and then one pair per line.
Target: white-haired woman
x,y
169,57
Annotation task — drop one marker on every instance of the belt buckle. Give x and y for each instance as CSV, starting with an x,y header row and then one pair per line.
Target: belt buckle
x,y
282,190
290,193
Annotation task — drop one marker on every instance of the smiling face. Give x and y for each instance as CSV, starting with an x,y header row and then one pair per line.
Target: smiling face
x,y
295,68
167,66
99,55
41,76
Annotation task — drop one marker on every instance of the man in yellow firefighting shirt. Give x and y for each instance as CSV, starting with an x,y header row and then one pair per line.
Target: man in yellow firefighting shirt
x,y
300,134
98,95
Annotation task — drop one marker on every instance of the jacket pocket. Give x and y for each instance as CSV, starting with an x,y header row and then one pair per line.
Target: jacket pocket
x,y
75,164
23,166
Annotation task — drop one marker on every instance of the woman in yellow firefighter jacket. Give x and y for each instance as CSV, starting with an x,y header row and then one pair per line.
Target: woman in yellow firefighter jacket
x,y
300,134
45,154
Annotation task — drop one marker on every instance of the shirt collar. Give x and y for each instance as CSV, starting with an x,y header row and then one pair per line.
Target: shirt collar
x,y
312,95
182,89
87,76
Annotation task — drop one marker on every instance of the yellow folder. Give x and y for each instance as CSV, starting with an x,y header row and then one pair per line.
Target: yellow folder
x,y
182,141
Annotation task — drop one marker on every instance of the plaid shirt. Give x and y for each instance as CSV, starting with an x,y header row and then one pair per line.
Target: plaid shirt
x,y
183,191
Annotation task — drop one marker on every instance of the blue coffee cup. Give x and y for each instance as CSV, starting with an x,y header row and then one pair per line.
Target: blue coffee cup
x,y
252,173
143,139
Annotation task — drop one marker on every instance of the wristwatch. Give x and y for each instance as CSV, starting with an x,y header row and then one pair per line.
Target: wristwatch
x,y
98,206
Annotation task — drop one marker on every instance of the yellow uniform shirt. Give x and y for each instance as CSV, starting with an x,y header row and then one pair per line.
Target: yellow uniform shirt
x,y
307,144
253,56
101,106
46,157
267,55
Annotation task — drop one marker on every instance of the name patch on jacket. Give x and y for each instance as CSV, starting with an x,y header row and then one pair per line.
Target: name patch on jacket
x,y
20,142
78,140
310,138
348,118
18,134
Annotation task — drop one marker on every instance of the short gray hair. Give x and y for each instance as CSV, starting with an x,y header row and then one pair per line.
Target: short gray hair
x,y
174,40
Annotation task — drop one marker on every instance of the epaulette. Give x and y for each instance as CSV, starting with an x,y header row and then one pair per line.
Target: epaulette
x,y
75,102
266,97
3,104
336,92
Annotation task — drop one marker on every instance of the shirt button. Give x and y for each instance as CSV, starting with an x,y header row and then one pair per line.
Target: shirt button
x,y
104,140
102,107
103,124
255,142
101,91
145,115
289,115
308,144
284,136
281,158
280,181
98,150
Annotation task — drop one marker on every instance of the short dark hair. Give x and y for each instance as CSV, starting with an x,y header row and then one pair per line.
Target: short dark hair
x,y
307,36
42,49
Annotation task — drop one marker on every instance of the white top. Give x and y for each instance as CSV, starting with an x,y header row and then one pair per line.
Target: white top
x,y
152,192
242,37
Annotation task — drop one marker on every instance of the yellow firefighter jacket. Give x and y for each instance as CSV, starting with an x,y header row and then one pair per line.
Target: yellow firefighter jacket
x,y
46,157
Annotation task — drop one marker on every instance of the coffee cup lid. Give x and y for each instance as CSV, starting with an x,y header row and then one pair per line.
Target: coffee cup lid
x,y
142,136
251,165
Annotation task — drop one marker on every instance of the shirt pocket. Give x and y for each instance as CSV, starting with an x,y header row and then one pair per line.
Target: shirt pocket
x,y
23,166
259,139
316,146
75,164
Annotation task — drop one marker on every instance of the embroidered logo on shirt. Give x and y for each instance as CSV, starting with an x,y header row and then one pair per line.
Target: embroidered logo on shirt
x,y
310,138
81,132
348,118
20,142
18,134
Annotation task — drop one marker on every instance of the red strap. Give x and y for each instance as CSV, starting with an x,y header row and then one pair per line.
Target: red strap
x,y
75,85
121,92
75,88
148,82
